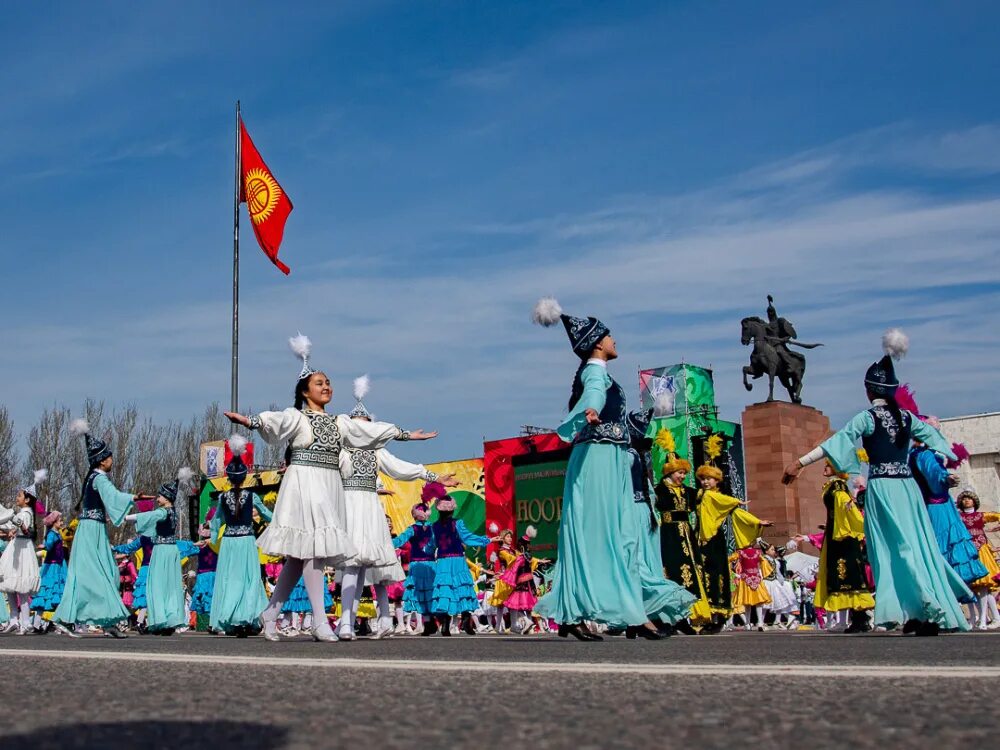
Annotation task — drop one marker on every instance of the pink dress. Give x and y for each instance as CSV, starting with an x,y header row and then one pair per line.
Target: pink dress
x,y
519,575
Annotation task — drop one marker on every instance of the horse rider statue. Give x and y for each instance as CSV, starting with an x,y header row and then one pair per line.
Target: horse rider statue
x,y
771,355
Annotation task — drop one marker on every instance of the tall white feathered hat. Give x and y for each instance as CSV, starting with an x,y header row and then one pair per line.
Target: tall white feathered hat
x,y
32,489
881,378
302,347
584,333
362,386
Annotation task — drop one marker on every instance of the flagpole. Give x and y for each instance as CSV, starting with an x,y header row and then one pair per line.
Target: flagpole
x,y
234,391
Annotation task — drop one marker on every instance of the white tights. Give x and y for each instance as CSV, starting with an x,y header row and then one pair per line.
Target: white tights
x,y
20,603
313,578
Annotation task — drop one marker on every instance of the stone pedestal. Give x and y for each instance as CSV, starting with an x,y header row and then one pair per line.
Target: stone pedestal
x,y
774,435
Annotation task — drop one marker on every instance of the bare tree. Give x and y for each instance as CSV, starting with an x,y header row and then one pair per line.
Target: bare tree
x,y
8,457
50,446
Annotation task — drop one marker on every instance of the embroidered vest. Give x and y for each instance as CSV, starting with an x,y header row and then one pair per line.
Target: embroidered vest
x,y
237,512
613,428
365,476
166,530
886,459
420,540
324,451
91,505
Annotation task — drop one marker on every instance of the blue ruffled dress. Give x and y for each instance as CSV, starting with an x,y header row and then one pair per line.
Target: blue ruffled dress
x,y
53,574
418,588
454,591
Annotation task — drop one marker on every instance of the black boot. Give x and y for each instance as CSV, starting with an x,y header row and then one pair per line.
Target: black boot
x,y
641,631
928,628
430,626
446,625
683,626
467,625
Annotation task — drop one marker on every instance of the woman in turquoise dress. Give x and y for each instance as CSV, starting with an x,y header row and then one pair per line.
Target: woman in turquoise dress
x,y
238,598
91,596
914,585
598,574
165,611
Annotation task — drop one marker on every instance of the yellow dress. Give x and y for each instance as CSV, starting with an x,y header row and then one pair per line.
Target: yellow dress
x,y
752,568
845,535
986,555
713,509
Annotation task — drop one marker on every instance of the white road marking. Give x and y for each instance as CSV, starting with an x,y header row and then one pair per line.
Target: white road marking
x,y
652,670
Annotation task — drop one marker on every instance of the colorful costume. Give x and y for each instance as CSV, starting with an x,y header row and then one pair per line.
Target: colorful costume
x,y
713,510
454,592
53,573
679,547
142,544
953,538
975,521
752,568
204,585
841,582
418,593
19,573
913,582
238,598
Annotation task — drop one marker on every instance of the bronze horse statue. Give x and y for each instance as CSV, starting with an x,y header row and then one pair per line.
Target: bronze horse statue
x,y
772,357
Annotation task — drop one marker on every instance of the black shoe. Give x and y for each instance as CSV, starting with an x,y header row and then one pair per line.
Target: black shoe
x,y
641,631
683,626
928,629
467,626
430,626
363,629
446,626
665,630
578,632
860,623
911,626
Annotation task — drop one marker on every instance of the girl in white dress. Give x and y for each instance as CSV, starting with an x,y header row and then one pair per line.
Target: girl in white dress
x,y
19,576
310,521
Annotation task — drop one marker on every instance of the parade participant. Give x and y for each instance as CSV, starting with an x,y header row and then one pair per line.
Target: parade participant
x,y
454,593
657,591
680,552
841,583
913,582
751,593
418,587
141,548
91,593
53,571
396,591
597,577
516,589
6,624
19,577
713,509
309,522
238,597
165,592
127,574
984,588
784,603
375,563
208,561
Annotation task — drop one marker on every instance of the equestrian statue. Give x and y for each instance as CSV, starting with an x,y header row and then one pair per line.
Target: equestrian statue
x,y
771,355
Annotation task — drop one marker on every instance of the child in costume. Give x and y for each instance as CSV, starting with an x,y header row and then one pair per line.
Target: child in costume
x,y
751,592
165,591
984,588
418,592
53,571
713,509
913,582
19,575
91,596
516,589
204,585
784,602
454,593
238,596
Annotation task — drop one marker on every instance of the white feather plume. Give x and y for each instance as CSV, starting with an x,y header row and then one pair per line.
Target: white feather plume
x,y
79,427
664,404
41,475
493,528
895,343
301,346
184,474
531,532
361,387
547,311
237,444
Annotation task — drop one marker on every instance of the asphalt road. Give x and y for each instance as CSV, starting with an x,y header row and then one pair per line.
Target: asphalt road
x,y
769,689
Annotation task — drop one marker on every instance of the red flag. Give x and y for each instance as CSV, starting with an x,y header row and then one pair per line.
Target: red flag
x,y
267,204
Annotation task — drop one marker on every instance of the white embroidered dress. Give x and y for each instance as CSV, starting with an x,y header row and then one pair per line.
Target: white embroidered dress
x,y
18,564
366,524
310,518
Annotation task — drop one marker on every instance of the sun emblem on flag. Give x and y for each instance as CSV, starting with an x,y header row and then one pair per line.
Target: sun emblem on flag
x,y
262,194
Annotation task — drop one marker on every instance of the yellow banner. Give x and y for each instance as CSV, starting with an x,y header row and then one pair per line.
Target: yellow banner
x,y
468,472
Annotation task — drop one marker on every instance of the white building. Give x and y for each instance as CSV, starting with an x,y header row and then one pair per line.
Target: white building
x,y
980,433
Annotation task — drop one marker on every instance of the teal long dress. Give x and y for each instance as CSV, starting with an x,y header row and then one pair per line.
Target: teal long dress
x,y
238,598
91,596
164,583
597,576
912,578
4,611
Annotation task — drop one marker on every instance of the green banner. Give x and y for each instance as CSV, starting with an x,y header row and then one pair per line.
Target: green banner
x,y
538,493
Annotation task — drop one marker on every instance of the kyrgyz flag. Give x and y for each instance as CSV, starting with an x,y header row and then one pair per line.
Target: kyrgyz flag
x,y
267,203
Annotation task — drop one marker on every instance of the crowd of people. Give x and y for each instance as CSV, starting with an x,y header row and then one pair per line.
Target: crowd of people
x,y
635,558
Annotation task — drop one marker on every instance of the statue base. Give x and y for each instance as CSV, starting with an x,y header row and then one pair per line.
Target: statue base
x,y
775,434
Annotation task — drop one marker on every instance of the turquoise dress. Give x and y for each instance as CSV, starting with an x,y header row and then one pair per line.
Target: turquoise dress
x,y
418,588
164,584
598,574
238,598
454,591
4,611
53,574
912,579
91,596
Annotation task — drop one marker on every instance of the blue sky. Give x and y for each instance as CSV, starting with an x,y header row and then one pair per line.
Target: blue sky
x,y
660,165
